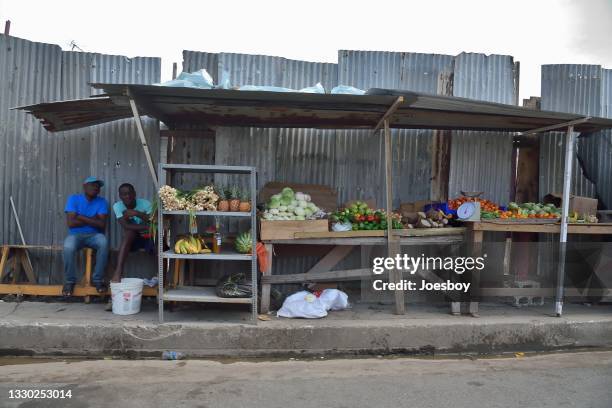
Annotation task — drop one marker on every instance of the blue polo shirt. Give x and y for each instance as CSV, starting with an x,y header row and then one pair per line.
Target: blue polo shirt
x,y
78,203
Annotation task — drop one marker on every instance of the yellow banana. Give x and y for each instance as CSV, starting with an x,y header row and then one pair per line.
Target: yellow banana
x,y
205,251
177,247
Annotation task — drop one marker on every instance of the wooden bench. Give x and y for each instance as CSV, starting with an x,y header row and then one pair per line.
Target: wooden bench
x,y
20,262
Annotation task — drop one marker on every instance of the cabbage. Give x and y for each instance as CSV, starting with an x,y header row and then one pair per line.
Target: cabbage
x,y
276,197
290,208
285,201
300,196
282,208
268,216
274,211
300,211
300,218
307,197
288,193
308,212
312,206
303,204
294,203
315,209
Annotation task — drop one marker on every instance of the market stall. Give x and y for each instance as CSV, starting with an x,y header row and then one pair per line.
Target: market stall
x,y
378,110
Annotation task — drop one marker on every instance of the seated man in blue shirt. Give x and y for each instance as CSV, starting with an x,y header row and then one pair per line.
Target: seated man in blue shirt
x,y
133,215
86,218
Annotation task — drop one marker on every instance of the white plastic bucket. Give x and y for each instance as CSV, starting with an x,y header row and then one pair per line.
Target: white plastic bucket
x,y
126,296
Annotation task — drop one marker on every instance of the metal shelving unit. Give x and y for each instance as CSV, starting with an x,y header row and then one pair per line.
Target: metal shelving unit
x,y
203,293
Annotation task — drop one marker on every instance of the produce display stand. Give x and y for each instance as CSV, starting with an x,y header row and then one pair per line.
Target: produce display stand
x,y
377,110
180,293
476,231
343,243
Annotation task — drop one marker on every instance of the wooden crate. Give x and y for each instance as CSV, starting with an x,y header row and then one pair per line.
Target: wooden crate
x,y
286,229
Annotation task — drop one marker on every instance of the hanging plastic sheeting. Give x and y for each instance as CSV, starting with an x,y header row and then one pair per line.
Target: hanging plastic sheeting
x,y
199,79
347,90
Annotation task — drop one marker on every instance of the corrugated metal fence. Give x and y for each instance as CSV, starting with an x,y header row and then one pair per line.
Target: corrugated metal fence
x,y
585,90
41,169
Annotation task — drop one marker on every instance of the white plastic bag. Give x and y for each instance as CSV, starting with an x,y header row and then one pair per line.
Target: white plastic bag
x,y
347,90
303,304
318,88
265,88
342,226
334,299
199,79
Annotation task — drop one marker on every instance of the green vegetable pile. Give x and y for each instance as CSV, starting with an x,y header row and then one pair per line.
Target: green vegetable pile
x,y
364,218
288,205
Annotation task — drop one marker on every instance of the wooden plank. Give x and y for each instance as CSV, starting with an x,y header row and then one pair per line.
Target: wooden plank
x,y
5,253
441,148
331,259
417,232
604,229
342,234
143,142
389,113
270,230
545,292
27,266
265,287
41,247
56,290
451,239
393,246
348,274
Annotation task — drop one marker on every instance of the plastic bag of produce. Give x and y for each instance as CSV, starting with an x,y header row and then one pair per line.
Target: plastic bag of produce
x,y
303,304
234,285
334,299
342,226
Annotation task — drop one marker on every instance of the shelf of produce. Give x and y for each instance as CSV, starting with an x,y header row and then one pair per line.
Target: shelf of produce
x,y
225,255
211,213
200,294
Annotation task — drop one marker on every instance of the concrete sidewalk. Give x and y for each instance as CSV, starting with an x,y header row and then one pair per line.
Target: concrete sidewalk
x,y
87,330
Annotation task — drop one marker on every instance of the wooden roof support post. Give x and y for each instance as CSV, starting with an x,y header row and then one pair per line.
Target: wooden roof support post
x,y
393,242
143,141
388,113
567,184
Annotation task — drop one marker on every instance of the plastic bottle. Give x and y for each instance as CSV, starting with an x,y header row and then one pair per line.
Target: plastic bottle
x,y
173,355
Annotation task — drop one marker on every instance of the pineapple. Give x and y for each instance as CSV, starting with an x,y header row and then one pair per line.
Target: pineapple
x,y
234,203
223,204
245,202
244,243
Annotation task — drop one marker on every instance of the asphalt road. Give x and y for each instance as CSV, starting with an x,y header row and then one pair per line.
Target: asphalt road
x,y
560,380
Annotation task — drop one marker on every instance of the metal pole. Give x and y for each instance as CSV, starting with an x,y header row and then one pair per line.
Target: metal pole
x,y
160,250
7,27
567,183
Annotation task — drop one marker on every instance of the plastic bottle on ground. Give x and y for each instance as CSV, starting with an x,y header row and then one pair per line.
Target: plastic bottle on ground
x,y
173,355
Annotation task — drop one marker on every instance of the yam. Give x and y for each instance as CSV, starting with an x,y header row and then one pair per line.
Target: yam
x,y
423,223
410,217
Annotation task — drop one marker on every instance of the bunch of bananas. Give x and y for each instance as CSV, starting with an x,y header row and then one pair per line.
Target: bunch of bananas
x,y
191,244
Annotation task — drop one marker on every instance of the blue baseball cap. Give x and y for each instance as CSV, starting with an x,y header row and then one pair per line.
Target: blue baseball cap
x,y
92,179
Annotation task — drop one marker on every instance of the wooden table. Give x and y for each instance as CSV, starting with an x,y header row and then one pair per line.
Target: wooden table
x,y
343,243
477,229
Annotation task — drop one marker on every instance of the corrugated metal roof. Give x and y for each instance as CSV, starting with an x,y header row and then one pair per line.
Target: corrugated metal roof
x,y
220,107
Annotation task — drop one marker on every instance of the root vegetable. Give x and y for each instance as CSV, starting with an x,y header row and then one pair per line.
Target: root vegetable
x,y
423,223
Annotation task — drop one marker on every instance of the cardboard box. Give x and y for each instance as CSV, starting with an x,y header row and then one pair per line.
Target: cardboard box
x,y
281,229
582,205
